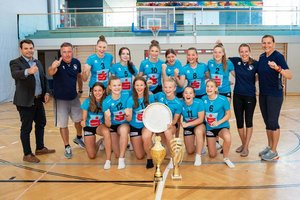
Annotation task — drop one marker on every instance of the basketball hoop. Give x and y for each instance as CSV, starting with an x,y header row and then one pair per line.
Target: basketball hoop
x,y
155,30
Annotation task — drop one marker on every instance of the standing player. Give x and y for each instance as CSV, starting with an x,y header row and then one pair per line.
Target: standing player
x,y
114,107
192,123
244,96
125,70
93,123
271,67
98,64
152,68
195,72
217,115
173,68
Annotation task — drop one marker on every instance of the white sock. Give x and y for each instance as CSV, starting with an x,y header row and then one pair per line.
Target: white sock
x,y
198,161
121,164
170,165
229,163
107,164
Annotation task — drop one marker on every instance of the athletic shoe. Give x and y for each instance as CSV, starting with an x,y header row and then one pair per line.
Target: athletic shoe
x,y
270,156
203,151
263,152
68,152
121,164
79,142
198,161
229,163
107,164
129,146
43,151
31,158
218,146
244,153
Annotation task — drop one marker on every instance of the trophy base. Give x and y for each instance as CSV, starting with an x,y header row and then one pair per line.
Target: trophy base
x,y
176,177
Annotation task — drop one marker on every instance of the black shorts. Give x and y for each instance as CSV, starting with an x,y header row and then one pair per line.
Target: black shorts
x,y
114,128
188,131
157,89
228,94
135,132
214,132
89,131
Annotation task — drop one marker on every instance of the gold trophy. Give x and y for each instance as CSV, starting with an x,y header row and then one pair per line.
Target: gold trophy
x,y
158,153
177,152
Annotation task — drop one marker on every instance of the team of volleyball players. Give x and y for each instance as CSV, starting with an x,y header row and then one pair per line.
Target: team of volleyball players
x,y
198,95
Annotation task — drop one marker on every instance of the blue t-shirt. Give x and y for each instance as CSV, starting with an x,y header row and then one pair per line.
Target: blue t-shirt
x,y
117,109
244,77
270,81
93,119
219,75
170,72
65,80
196,77
137,113
174,104
215,110
190,112
125,76
152,72
100,68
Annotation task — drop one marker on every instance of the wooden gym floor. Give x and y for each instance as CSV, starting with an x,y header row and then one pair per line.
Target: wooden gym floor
x,y
56,177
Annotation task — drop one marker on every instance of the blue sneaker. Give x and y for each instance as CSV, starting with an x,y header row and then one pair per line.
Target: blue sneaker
x,y
79,142
270,156
263,152
68,152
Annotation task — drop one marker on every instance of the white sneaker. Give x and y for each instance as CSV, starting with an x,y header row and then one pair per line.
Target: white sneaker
x,y
121,164
107,164
198,161
229,163
102,146
130,147
203,151
218,146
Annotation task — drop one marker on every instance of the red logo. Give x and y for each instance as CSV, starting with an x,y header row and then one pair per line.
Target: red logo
x,y
95,122
218,80
153,79
126,85
210,119
195,84
102,76
120,116
139,116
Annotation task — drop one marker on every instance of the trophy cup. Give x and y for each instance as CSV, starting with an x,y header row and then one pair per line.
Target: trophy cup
x,y
158,153
177,152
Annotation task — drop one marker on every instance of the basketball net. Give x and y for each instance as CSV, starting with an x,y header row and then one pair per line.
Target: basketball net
x,y
155,30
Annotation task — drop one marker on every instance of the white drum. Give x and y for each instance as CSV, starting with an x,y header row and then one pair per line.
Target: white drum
x,y
157,117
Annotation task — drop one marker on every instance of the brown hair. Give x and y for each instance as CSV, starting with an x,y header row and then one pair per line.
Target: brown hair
x,y
27,41
135,95
93,103
251,60
214,82
66,44
169,51
224,59
268,36
192,49
129,63
154,43
101,39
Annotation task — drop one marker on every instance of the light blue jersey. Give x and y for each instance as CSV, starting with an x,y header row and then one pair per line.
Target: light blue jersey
x,y
125,76
215,110
100,68
170,72
174,104
190,112
219,75
196,77
117,109
152,71
137,113
93,119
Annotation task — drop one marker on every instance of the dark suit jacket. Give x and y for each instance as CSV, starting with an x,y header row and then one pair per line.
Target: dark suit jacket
x,y
25,86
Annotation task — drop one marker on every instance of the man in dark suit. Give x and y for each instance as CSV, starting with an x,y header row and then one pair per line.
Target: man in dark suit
x,y
31,91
